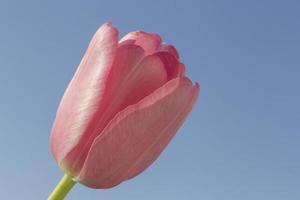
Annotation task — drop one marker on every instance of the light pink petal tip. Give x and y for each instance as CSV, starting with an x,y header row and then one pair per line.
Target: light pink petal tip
x,y
84,92
170,49
137,135
150,42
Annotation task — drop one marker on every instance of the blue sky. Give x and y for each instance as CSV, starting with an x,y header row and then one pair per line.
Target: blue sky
x,y
240,142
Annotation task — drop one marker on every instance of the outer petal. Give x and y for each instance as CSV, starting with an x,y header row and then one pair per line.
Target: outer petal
x,y
138,134
150,42
84,92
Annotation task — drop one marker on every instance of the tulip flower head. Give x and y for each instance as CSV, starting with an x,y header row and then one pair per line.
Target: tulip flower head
x,y
124,104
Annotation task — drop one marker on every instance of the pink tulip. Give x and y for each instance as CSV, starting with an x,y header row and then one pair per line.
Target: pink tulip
x,y
124,104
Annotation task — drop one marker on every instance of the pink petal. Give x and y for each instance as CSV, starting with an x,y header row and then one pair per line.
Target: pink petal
x,y
171,64
132,77
169,48
137,135
148,41
84,92
181,70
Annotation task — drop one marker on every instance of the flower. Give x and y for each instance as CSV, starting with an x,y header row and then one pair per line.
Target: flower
x,y
124,104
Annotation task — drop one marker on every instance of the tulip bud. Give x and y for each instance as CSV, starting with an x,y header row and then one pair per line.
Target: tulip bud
x,y
124,104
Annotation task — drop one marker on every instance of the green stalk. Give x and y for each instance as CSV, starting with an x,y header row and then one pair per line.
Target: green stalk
x,y
62,189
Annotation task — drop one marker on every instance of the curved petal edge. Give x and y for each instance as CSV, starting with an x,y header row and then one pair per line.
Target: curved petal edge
x,y
136,136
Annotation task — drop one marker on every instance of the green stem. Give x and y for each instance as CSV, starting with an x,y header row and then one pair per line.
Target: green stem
x,y
62,189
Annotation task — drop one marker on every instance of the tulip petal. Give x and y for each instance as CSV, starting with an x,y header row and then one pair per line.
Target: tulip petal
x,y
148,41
138,134
84,91
181,70
171,63
132,77
169,48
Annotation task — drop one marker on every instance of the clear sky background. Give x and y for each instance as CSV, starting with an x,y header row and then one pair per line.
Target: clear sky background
x,y
242,140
